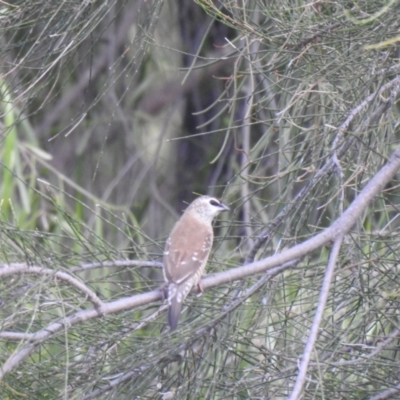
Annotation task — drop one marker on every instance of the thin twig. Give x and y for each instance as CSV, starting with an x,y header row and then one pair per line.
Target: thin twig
x,y
387,394
116,263
326,170
22,268
301,376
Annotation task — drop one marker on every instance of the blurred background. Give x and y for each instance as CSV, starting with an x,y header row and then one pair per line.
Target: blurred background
x,y
116,114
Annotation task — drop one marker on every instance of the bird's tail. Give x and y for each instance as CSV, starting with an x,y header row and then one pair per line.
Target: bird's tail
x,y
175,306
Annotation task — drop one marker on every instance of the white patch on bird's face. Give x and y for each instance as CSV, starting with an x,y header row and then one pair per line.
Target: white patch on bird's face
x,y
204,209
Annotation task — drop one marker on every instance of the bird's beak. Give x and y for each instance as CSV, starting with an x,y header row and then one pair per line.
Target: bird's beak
x,y
224,207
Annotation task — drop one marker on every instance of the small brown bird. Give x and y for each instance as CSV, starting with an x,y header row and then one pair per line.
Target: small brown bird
x,y
187,250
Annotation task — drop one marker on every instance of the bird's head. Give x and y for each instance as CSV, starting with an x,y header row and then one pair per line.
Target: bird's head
x,y
206,208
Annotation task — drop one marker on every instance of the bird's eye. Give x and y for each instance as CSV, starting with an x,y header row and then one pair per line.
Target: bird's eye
x,y
215,203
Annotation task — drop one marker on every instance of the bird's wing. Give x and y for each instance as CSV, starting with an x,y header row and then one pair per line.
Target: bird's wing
x,y
187,249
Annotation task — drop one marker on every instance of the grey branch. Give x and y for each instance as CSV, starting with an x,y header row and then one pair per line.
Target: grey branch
x,y
317,319
338,228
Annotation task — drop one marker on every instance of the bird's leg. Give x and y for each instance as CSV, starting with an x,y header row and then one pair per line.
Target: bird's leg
x,y
200,288
164,291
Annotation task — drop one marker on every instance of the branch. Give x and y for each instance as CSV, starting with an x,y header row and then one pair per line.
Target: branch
x,y
387,394
317,320
194,336
76,90
338,228
19,268
116,263
125,303
340,148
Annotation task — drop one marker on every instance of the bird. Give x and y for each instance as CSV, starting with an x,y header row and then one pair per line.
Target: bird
x,y
187,250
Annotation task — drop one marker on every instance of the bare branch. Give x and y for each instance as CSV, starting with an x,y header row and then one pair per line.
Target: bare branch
x,y
387,394
79,317
338,229
21,268
116,263
317,320
339,151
